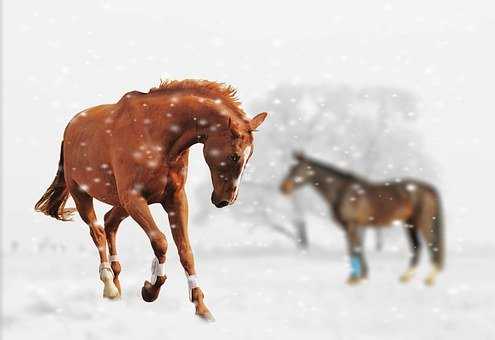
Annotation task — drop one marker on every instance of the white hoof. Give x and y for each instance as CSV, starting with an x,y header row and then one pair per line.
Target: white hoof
x,y
430,279
408,275
110,290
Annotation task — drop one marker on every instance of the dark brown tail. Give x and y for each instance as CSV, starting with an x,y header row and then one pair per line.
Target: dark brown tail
x,y
438,237
53,201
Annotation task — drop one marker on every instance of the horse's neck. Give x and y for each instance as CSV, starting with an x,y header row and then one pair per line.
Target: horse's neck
x,y
192,128
328,184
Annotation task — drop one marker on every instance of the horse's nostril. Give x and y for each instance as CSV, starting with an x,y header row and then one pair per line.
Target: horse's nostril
x,y
222,204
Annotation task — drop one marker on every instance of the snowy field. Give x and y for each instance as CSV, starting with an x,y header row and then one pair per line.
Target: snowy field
x,y
256,289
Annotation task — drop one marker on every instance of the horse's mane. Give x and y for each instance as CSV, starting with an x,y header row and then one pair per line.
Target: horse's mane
x,y
218,91
336,171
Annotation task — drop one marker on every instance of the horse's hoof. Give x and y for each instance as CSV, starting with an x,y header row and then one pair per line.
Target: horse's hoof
x,y
206,316
149,292
110,291
112,295
408,275
429,281
354,280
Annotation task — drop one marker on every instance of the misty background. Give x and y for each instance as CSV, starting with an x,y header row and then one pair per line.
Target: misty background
x,y
339,66
62,57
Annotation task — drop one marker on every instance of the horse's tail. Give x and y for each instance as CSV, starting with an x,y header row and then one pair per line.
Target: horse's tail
x,y
52,203
438,245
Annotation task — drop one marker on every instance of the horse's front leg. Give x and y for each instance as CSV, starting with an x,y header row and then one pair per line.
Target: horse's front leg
x,y
177,210
359,268
412,234
137,207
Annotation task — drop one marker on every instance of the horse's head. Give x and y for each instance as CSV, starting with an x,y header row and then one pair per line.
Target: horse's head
x,y
227,154
299,174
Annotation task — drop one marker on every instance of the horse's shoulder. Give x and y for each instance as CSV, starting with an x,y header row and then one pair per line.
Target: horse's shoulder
x,y
179,165
177,176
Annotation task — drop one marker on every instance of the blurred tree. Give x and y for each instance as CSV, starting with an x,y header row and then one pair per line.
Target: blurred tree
x,y
391,102
370,132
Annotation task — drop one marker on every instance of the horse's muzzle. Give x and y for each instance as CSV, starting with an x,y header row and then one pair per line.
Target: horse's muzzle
x,y
287,187
219,202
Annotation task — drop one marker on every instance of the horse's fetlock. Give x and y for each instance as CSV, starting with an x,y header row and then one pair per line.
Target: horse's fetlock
x,y
197,295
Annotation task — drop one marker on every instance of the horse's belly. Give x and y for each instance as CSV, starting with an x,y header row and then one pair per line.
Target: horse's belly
x,y
375,209
385,213
99,184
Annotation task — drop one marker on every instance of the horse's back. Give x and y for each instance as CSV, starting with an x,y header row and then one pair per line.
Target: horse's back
x,y
399,200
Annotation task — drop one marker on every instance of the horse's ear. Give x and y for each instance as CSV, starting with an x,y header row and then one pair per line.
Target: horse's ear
x,y
257,120
299,155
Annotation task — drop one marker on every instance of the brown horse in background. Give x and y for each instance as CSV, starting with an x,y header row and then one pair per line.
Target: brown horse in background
x,y
356,203
135,153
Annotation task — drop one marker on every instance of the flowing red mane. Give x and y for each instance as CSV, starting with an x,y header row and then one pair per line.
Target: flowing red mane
x,y
215,90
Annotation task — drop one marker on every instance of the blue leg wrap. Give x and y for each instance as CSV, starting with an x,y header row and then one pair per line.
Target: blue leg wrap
x,y
355,266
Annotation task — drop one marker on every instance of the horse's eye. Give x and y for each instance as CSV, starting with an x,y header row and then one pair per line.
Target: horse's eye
x,y
235,158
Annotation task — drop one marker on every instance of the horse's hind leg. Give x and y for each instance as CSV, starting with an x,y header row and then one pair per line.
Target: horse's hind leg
x,y
425,225
412,235
84,205
112,221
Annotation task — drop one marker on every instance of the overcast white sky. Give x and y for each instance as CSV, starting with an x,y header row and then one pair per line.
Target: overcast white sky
x,y
62,56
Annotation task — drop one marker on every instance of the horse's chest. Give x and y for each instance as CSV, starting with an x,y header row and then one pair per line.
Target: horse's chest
x,y
158,184
353,206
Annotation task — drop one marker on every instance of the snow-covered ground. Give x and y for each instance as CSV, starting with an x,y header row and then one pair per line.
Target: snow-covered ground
x,y
257,286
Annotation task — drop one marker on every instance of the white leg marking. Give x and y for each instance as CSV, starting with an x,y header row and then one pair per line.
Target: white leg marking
x,y
157,269
430,279
408,275
106,275
192,282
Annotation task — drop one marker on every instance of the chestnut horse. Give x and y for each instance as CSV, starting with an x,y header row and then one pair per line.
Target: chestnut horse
x,y
134,153
356,203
